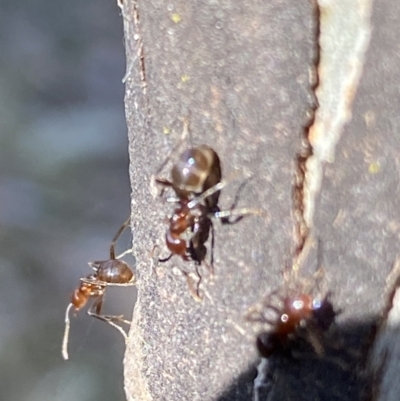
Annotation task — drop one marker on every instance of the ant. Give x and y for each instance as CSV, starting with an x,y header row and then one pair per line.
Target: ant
x,y
297,314
196,179
112,272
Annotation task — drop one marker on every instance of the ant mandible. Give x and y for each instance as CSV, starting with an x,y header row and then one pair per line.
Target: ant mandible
x,y
112,272
196,179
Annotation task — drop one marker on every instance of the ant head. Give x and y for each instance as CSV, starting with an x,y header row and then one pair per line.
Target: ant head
x,y
299,305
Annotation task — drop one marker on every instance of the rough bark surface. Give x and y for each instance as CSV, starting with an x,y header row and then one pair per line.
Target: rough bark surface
x,y
241,72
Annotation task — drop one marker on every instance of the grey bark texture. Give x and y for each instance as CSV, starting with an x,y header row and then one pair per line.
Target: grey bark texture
x,y
242,73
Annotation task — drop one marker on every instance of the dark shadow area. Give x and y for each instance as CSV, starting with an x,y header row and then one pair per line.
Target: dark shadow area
x,y
302,375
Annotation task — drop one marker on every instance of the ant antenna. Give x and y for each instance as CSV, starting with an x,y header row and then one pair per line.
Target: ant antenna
x,y
319,252
222,214
166,259
117,235
186,129
176,148
206,194
121,255
64,346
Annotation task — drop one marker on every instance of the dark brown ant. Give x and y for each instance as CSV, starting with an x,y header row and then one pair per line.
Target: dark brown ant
x,y
196,179
112,272
292,315
297,312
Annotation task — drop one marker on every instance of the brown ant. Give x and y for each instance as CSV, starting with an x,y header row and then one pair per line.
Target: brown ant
x,y
290,316
112,272
297,312
196,179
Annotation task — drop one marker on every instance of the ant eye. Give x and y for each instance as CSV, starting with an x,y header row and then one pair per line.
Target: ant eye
x,y
284,318
298,304
316,303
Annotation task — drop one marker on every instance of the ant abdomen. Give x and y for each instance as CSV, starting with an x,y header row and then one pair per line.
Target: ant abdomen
x,y
113,271
197,170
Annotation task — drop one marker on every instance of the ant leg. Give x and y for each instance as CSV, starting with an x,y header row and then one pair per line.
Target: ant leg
x,y
163,181
116,236
194,292
225,220
240,213
199,282
173,152
210,191
109,320
225,215
164,184
97,304
211,266
162,260
257,317
171,199
64,346
130,250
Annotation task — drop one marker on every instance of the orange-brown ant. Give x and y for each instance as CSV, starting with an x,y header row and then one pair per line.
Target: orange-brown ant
x,y
112,272
196,179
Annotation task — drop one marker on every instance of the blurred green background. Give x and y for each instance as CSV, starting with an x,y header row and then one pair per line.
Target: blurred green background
x,y
64,191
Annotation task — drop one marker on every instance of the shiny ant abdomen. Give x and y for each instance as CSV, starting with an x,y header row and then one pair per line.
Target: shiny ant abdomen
x,y
112,271
197,170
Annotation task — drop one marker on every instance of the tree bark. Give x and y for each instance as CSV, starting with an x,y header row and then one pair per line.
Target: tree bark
x,y
244,75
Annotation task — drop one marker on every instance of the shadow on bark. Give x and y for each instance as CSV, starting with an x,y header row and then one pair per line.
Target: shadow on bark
x,y
301,375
